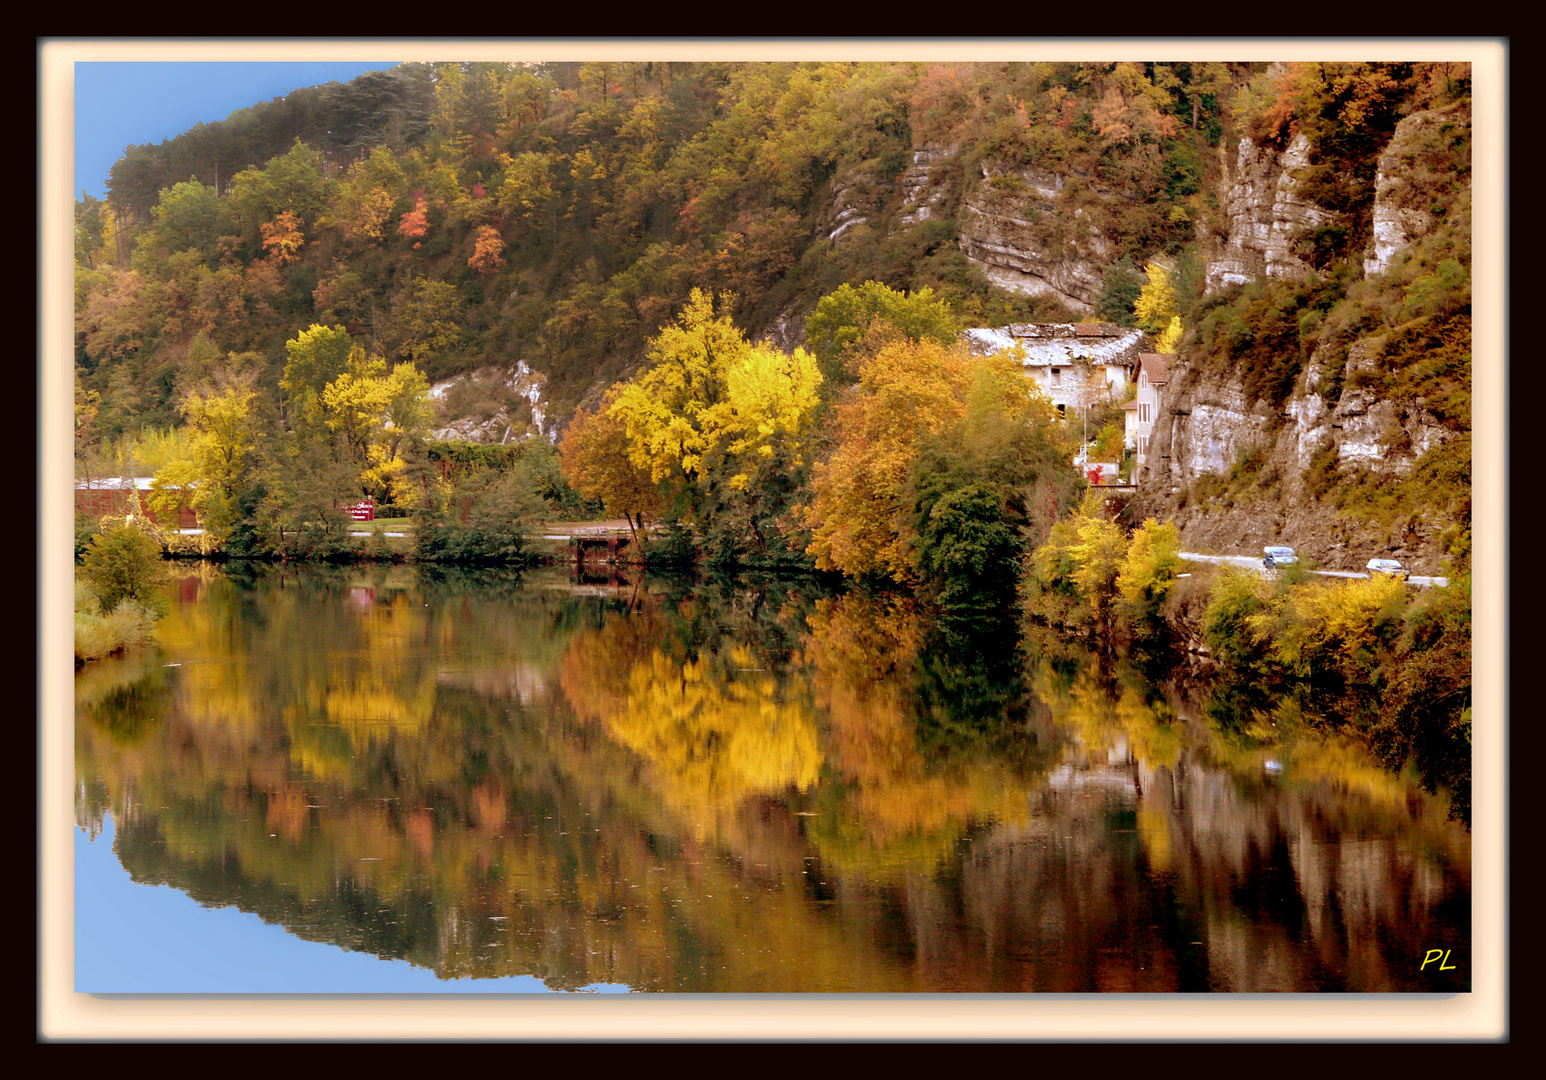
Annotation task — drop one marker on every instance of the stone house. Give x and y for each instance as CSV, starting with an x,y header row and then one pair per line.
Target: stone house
x,y
1077,364
1130,425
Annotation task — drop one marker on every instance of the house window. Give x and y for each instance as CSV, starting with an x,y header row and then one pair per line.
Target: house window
x,y
1062,409
1057,376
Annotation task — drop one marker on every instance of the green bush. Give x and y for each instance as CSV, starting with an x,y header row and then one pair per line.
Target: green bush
x,y
121,563
1091,575
325,536
1119,293
85,529
1146,576
1425,711
1238,596
1322,473
673,547
485,521
1333,631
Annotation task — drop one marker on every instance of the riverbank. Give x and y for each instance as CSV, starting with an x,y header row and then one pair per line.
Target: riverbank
x,y
604,542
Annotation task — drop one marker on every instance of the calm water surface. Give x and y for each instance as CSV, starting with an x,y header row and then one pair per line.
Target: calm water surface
x,y
750,784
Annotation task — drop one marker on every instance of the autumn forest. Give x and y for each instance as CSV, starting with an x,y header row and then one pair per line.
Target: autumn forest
x,y
881,645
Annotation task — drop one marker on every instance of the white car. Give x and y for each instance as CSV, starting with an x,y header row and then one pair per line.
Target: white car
x,y
1278,555
1387,567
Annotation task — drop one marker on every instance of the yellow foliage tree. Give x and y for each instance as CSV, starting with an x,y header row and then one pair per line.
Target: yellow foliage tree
x,y
221,442
663,409
374,410
427,315
1156,304
1148,571
594,452
1072,579
527,187
762,421
1320,628
721,422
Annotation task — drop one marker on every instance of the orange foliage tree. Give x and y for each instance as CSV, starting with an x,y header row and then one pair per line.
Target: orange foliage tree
x,y
594,452
907,392
415,223
488,253
282,238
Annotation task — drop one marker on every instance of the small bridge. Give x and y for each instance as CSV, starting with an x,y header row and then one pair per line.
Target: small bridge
x,y
596,544
587,548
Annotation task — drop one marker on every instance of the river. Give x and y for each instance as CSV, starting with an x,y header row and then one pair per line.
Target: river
x,y
493,780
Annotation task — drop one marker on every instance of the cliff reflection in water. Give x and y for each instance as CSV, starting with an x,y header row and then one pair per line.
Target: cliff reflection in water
x,y
742,785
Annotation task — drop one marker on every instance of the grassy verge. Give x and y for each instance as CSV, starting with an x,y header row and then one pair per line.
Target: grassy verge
x,y
98,634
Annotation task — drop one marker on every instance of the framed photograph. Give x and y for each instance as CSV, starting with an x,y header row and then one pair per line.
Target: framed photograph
x,y
773,540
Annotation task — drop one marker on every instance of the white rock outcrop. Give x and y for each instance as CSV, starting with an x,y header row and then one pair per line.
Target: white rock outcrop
x,y
1411,182
921,191
1264,211
497,425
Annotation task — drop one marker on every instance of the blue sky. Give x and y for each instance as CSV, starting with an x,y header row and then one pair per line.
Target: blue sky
x,y
120,104
149,939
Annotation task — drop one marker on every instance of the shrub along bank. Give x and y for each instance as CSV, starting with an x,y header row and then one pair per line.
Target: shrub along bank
x,y
117,601
1390,661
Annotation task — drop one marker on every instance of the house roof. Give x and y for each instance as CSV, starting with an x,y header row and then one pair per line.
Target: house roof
x,y
1156,366
1060,344
1130,404
113,483
120,483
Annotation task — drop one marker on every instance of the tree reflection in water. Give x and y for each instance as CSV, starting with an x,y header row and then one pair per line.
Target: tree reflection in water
x,y
743,784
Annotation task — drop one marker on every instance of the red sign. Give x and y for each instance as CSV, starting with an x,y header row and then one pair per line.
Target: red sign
x,y
365,511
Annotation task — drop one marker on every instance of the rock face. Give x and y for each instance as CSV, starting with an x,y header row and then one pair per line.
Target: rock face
x,y
1207,423
1010,225
922,193
1016,226
856,198
1007,231
491,405
1413,172
1264,211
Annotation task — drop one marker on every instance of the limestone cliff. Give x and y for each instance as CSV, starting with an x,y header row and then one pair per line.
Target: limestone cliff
x,y
1264,211
1412,180
1013,229
492,405
857,197
1013,224
1208,426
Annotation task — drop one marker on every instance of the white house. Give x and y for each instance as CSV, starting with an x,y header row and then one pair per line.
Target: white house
x,y
1153,370
1130,425
1077,364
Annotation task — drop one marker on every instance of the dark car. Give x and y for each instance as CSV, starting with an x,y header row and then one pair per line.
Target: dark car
x,y
1278,555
